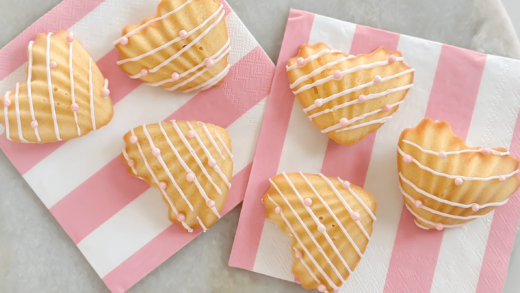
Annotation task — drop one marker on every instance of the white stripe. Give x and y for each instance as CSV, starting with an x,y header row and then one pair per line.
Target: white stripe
x,y
91,91
49,86
29,87
17,113
71,73
210,137
6,115
312,57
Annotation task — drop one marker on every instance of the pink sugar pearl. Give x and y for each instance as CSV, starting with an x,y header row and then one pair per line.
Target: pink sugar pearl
x,y
475,207
53,64
439,226
387,108
343,122
175,76
74,107
70,38
133,139
105,92
418,204
355,216
321,228
459,181
278,210
337,75
378,79
322,288
183,34
156,152
300,61
391,59
131,163
442,155
362,99
407,159
485,151
298,254
123,41
209,63
191,134
345,184
212,162
307,202
210,203
502,178
162,185
181,217
318,103
144,72
7,102
190,177
34,124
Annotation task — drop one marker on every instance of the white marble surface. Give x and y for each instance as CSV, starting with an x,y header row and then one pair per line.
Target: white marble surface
x,y
37,256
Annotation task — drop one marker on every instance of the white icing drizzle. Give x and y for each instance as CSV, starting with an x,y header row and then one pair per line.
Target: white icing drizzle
x,y
326,205
319,70
127,158
17,113
208,154
465,178
175,211
323,273
380,121
430,222
497,153
224,144
166,169
357,88
308,268
133,32
197,159
29,88
168,44
212,81
360,117
316,220
344,72
360,201
420,226
91,90
455,204
312,57
202,224
210,137
181,75
72,95
105,86
196,40
437,212
6,115
368,97
345,204
49,85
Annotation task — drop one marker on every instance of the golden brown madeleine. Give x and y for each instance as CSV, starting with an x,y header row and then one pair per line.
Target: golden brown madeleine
x,y
65,95
329,221
189,161
348,97
447,183
185,46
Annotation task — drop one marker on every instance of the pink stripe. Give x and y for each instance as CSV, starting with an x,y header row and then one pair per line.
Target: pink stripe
x,y
453,97
26,156
166,244
270,143
79,212
501,236
351,162
13,55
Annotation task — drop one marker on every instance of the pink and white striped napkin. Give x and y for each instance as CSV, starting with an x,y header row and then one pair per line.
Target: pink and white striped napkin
x,y
478,94
119,223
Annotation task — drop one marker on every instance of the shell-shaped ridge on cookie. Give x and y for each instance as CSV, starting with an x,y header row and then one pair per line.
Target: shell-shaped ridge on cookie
x,y
445,182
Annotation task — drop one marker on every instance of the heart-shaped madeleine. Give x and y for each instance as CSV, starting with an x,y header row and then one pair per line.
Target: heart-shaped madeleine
x,y
348,97
329,221
189,161
445,183
65,95
185,46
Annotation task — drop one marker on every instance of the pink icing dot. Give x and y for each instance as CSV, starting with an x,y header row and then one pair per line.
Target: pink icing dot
x,y
183,34
298,281
418,204
156,152
190,177
163,185
278,210
123,41
70,38
407,159
362,99
53,64
131,163
175,76
345,184
191,134
181,217
355,216
144,72
485,151
34,124
322,288
458,181
318,103
7,102
391,59
298,254
133,139
74,107
300,61
307,202
442,155
209,63
210,203
377,79
321,228
212,162
502,178
343,122
338,75
475,207
387,108
439,226
105,92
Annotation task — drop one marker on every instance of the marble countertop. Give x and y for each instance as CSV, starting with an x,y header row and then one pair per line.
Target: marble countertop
x,y
36,255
